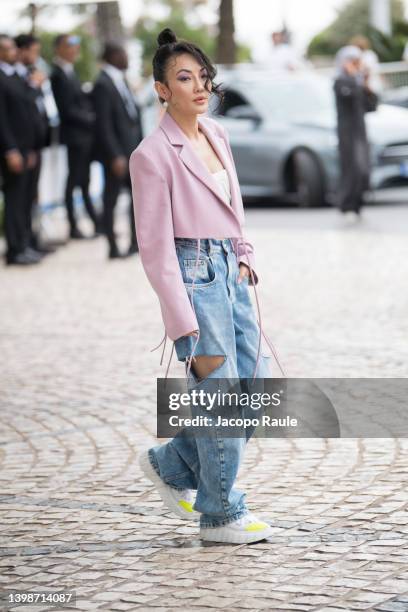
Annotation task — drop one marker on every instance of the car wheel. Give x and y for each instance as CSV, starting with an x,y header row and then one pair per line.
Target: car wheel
x,y
307,179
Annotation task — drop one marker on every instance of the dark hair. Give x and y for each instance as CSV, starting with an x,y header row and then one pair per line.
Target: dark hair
x,y
4,37
59,39
169,47
25,41
110,50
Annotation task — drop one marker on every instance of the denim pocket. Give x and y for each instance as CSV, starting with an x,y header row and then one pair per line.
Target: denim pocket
x,y
201,272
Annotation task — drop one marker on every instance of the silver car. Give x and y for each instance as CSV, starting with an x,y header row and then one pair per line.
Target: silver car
x,y
282,130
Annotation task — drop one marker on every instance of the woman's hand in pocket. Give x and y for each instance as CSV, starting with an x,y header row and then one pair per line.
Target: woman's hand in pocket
x,y
243,272
193,333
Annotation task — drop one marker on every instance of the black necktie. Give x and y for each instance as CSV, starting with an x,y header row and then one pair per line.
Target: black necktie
x,y
129,100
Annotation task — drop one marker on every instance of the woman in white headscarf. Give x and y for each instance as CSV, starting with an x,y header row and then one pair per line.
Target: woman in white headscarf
x,y
353,100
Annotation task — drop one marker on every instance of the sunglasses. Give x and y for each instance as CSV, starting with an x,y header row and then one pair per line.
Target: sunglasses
x,y
72,41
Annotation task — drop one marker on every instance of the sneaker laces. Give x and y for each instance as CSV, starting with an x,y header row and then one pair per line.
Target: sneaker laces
x,y
186,494
247,519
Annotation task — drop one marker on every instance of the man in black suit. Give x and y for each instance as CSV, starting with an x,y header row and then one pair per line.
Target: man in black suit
x,y
28,53
118,131
77,126
17,155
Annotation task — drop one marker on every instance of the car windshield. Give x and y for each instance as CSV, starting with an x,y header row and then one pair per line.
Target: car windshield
x,y
292,99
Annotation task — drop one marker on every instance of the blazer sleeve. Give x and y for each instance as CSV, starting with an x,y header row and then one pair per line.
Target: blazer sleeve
x,y
238,245
7,139
68,110
155,236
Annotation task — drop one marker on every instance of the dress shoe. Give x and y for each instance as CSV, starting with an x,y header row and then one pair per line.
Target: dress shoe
x,y
98,228
132,250
55,244
45,250
23,259
116,254
76,234
40,247
34,253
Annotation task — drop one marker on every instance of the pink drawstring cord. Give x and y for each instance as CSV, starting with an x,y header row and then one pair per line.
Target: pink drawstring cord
x,y
162,355
164,347
269,343
192,304
257,304
261,332
168,365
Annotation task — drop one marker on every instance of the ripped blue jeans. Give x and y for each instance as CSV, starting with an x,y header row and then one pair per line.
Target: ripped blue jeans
x,y
228,328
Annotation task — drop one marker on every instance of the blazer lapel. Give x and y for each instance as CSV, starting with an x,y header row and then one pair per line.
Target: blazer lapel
x,y
192,160
125,104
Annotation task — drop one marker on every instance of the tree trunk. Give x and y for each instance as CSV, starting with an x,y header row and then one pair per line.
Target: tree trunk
x,y
33,12
380,16
108,22
226,43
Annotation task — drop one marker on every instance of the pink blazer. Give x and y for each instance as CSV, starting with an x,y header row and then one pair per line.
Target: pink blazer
x,y
174,195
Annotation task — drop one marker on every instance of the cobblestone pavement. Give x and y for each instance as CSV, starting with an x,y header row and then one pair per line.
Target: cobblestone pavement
x,y
78,393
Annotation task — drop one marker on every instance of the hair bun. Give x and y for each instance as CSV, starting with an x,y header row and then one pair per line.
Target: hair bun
x,y
166,36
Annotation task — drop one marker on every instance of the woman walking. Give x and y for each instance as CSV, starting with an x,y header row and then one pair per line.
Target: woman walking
x,y
189,218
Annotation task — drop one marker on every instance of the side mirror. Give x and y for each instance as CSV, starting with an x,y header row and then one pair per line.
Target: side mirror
x,y
243,111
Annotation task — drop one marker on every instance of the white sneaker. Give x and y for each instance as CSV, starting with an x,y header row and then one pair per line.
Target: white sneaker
x,y
243,531
179,502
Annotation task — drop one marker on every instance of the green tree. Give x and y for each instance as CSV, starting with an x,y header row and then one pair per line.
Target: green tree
x,y
183,18
109,22
354,19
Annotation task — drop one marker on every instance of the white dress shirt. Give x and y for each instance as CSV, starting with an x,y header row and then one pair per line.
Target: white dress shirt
x,y
8,69
21,70
119,80
67,67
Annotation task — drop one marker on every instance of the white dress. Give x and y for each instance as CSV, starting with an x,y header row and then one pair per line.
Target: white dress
x,y
222,179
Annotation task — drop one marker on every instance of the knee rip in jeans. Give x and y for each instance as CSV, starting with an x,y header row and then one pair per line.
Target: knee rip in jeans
x,y
204,365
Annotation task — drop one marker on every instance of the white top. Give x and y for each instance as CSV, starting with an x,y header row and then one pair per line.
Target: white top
x,y
67,67
222,179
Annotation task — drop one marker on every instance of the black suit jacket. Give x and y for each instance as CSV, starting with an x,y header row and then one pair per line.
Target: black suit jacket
x,y
17,124
116,132
74,108
40,117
